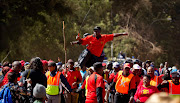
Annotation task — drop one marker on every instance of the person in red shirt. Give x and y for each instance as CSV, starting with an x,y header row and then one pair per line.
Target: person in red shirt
x,y
95,46
125,86
74,78
45,66
155,80
16,67
172,86
5,69
167,72
135,71
145,90
116,67
95,85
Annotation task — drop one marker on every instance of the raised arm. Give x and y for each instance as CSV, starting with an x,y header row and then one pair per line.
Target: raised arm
x,y
119,34
76,42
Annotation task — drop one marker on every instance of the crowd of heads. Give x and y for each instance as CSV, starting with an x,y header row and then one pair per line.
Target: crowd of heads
x,y
145,69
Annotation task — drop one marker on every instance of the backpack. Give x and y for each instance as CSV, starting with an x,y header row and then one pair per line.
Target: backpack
x,y
5,95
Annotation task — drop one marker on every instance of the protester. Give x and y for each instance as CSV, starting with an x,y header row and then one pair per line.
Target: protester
x,y
5,69
11,92
160,68
54,86
84,73
39,92
45,66
35,73
59,66
95,46
95,85
145,90
135,70
83,88
116,67
155,80
166,66
165,78
16,67
167,73
74,78
125,85
172,85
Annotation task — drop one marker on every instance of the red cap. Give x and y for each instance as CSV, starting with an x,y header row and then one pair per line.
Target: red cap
x,y
127,65
103,64
22,62
44,62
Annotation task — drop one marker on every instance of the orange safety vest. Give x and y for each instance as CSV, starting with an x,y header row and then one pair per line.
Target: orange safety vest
x,y
122,84
53,83
174,89
154,81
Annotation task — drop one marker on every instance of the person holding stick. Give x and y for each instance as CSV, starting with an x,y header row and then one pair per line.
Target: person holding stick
x,y
95,46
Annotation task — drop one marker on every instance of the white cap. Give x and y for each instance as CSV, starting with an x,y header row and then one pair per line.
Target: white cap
x,y
116,65
136,66
91,68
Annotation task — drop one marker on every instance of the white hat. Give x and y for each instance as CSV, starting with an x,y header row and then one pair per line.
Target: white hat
x,y
116,65
136,66
91,68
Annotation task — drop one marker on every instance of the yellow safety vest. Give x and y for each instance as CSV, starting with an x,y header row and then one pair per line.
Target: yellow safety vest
x,y
53,83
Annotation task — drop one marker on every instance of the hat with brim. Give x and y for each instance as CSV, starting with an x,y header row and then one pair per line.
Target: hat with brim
x,y
97,28
136,66
127,65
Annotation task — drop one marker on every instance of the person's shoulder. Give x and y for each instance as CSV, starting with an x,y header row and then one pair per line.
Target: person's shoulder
x,y
89,36
76,71
25,72
99,76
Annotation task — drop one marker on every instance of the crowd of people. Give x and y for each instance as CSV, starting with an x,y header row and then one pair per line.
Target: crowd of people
x,y
90,80
133,81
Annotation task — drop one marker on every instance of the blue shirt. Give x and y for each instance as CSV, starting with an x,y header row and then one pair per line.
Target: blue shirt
x,y
82,74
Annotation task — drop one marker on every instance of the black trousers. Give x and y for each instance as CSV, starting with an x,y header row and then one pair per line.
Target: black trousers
x,y
121,98
87,59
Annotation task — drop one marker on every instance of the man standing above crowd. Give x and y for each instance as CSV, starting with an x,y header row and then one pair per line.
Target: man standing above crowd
x,y
95,46
125,85
74,78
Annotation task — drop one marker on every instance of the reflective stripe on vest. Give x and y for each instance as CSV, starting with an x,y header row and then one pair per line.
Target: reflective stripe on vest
x,y
53,83
122,84
154,81
173,89
86,85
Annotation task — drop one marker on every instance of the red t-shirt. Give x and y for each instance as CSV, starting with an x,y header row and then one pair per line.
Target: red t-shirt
x,y
73,76
95,46
111,77
5,80
159,81
138,79
143,93
91,87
